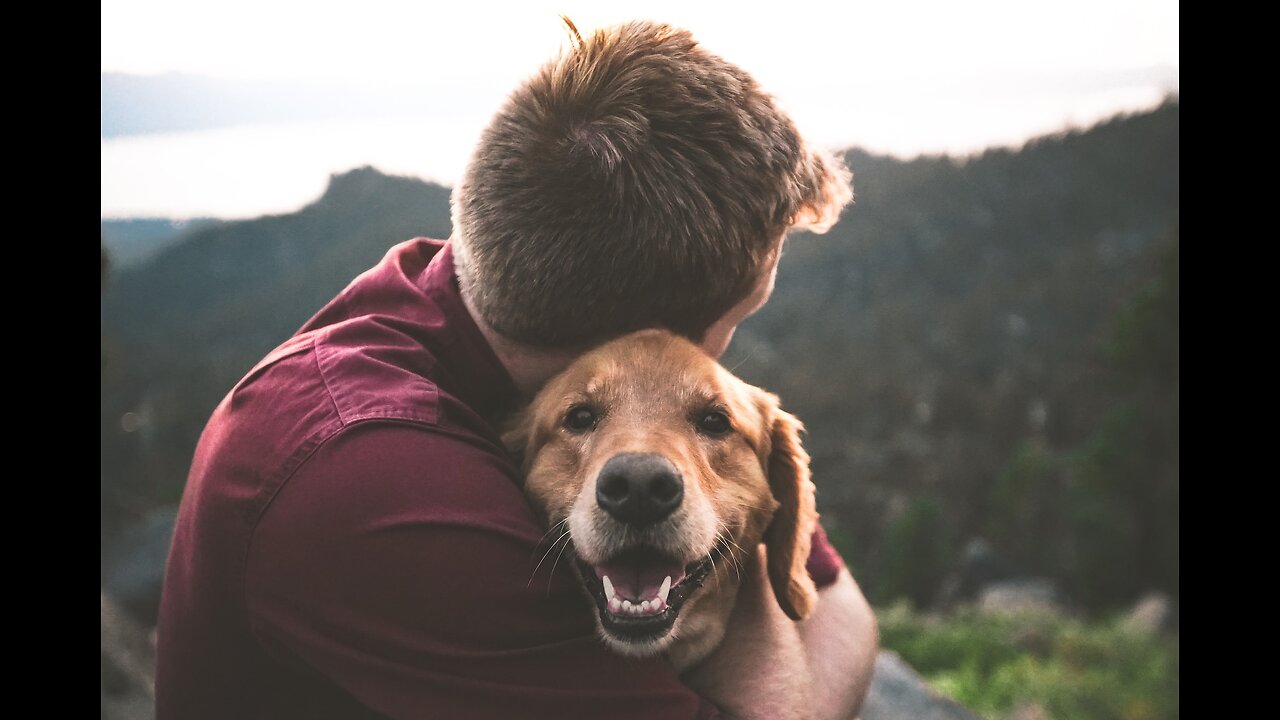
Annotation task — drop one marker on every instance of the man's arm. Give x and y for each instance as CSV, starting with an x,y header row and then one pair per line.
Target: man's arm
x,y
399,567
841,640
771,667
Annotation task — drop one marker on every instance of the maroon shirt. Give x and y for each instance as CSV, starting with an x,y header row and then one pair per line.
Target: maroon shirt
x,y
353,540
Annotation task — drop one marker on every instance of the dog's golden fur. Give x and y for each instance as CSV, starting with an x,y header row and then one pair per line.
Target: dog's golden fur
x,y
747,486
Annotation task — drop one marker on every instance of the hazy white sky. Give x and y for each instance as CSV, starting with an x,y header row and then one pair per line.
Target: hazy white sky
x,y
807,41
899,76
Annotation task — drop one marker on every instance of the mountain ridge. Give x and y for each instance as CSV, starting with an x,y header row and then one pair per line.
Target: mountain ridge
x,y
944,343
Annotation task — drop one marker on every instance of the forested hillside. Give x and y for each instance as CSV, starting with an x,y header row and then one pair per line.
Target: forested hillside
x,y
982,347
989,348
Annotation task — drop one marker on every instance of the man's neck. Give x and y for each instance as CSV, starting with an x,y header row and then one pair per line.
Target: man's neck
x,y
530,367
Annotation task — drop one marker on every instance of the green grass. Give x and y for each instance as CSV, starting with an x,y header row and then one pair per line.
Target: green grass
x,y
1075,670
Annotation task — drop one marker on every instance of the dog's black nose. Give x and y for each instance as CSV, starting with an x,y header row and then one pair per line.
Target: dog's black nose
x,y
639,488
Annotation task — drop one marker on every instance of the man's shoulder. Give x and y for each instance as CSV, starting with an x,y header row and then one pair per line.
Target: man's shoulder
x,y
319,382
383,471
357,405
372,371
359,369
310,390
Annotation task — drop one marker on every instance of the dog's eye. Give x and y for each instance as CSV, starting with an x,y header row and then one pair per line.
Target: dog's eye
x,y
581,418
714,423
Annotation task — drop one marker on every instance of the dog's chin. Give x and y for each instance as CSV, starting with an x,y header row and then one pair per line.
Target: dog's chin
x,y
638,595
631,647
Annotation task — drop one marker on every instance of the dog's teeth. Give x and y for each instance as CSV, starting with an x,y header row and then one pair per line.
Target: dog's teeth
x,y
651,606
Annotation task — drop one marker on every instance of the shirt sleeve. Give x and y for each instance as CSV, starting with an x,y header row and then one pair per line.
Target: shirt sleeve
x,y
824,562
399,563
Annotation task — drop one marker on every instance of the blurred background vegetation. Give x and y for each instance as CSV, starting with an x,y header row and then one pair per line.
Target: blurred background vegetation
x,y
984,351
1039,664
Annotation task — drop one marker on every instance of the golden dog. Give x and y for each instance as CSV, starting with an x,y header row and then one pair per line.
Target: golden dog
x,y
664,474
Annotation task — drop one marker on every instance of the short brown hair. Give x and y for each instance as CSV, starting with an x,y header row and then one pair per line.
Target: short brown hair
x,y
634,180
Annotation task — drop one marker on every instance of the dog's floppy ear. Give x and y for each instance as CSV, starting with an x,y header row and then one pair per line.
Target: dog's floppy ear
x,y
517,434
788,536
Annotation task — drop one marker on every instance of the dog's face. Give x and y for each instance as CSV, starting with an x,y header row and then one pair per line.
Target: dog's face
x,y
662,472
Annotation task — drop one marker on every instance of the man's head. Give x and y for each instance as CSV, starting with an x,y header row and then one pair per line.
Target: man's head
x,y
635,180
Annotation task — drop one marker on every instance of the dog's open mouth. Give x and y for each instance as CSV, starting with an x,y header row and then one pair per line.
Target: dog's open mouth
x,y
639,592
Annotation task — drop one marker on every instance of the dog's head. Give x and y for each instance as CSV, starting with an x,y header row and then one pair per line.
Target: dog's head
x,y
662,471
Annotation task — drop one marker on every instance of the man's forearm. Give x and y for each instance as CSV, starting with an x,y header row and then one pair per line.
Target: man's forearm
x,y
769,666
841,640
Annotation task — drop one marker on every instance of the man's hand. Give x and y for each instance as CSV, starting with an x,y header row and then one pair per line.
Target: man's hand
x,y
772,667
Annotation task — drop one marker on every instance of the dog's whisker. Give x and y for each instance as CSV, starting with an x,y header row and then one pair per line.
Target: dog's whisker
x,y
727,538
743,360
747,506
720,552
550,547
736,545
553,528
552,574
711,556
544,557
548,534
737,559
723,538
534,574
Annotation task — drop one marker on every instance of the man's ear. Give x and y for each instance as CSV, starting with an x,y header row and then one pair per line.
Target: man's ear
x,y
788,536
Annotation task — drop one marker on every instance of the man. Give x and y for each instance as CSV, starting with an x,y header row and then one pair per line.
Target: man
x,y
353,539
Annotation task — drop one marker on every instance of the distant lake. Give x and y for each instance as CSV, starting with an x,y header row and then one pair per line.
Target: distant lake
x,y
251,170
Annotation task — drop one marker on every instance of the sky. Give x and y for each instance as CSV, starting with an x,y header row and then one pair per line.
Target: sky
x,y
904,76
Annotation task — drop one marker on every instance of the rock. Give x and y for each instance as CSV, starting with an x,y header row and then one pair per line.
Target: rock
x,y
133,569
1018,595
128,659
899,693
978,565
1150,615
1029,712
